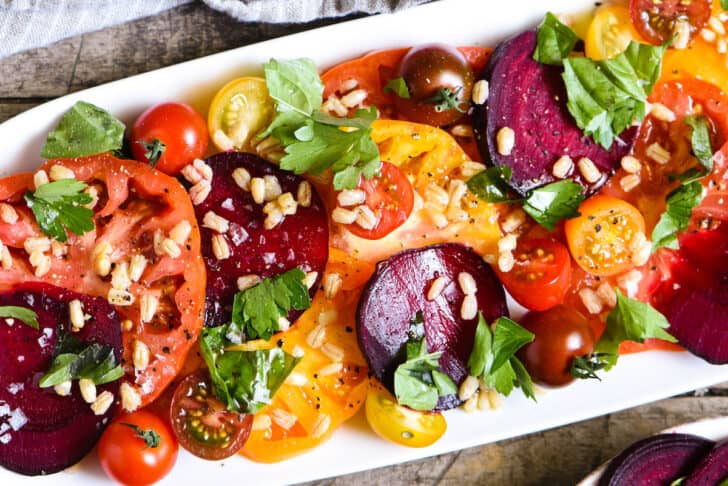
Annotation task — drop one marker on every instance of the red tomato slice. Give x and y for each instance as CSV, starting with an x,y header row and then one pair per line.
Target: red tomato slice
x,y
134,201
391,197
659,20
541,276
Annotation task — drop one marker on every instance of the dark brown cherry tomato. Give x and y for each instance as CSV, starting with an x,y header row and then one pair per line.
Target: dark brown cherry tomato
x,y
659,20
201,422
562,334
433,73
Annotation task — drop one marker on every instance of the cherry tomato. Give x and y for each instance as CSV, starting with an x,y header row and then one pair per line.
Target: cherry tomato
x,y
238,112
659,20
179,127
130,453
601,239
202,423
433,74
390,196
400,424
610,31
561,334
540,278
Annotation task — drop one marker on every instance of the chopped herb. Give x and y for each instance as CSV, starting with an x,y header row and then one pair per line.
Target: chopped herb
x,y
257,310
675,219
150,436
491,184
700,141
73,360
85,129
26,316
448,99
586,366
554,41
59,205
398,86
154,151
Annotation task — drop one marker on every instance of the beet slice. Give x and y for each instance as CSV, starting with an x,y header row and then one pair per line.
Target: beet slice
x,y
712,469
656,460
301,240
530,98
40,431
397,291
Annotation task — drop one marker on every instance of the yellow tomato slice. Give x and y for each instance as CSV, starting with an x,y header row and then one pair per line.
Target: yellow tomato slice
x,y
700,60
238,112
609,32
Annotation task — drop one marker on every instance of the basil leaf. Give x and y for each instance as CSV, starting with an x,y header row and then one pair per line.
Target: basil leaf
x,y
523,379
605,97
245,381
295,85
482,347
554,41
630,320
59,205
491,184
398,86
676,218
96,362
724,4
445,385
85,129
700,141
551,203
256,310
26,316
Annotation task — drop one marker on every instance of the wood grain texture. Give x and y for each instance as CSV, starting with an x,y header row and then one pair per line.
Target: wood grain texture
x,y
555,457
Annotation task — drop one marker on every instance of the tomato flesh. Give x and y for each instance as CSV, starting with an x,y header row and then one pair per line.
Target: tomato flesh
x,y
541,276
238,112
659,20
610,31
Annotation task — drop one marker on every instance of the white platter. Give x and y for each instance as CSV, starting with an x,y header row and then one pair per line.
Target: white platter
x,y
636,380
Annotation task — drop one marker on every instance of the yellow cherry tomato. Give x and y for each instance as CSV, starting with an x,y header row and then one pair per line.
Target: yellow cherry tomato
x,y
400,424
238,112
609,32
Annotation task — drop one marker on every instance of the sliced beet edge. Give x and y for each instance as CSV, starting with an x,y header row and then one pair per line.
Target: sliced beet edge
x,y
530,98
659,459
301,240
398,290
57,431
712,469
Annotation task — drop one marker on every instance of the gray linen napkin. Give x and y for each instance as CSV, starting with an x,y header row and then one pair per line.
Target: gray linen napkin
x,y
25,24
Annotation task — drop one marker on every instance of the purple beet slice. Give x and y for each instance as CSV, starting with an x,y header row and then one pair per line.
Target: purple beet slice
x,y
656,460
40,431
397,292
301,240
712,469
530,98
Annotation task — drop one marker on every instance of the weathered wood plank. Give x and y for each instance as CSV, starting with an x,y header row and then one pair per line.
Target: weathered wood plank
x,y
39,72
9,110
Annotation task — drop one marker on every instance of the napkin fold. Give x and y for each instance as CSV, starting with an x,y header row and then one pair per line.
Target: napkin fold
x,y
26,24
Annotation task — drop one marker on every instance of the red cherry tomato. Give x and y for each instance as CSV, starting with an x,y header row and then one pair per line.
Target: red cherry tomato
x,y
179,127
429,72
390,197
561,334
659,20
541,276
202,423
130,453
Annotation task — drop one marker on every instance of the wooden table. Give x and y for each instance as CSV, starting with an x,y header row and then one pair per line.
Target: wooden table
x,y
554,457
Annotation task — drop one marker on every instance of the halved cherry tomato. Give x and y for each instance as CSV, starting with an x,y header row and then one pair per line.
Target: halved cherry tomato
x,y
561,334
202,423
389,195
134,203
609,32
601,238
239,111
128,458
179,127
659,20
399,424
541,276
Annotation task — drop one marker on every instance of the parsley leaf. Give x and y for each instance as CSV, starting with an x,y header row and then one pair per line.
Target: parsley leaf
x,y
150,436
398,86
549,204
154,151
58,205
245,381
85,129
554,41
26,316
675,219
493,356
314,141
448,99
74,360
605,97
256,310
